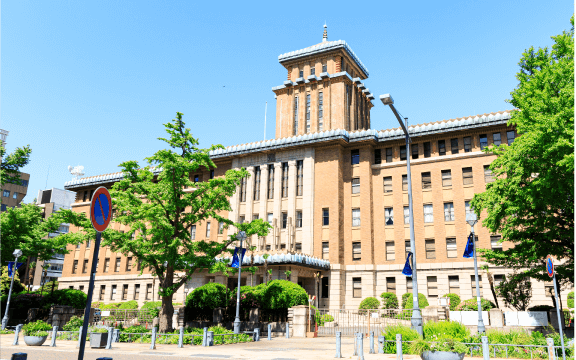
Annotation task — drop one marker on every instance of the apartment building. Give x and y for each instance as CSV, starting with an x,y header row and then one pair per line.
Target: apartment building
x,y
335,192
13,194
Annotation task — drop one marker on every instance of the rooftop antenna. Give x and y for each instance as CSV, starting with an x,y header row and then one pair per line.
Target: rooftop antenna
x,y
265,111
76,171
325,36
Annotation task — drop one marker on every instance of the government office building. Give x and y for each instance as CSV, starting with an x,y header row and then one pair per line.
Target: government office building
x,y
335,192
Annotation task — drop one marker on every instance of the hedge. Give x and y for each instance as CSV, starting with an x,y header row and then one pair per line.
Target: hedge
x,y
282,294
389,300
454,300
369,303
571,300
209,296
472,305
407,301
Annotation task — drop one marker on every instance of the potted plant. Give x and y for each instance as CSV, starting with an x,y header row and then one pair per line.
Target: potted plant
x,y
98,337
443,349
36,333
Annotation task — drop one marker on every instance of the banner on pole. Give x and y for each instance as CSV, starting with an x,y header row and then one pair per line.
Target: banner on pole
x,y
407,268
11,266
469,250
236,263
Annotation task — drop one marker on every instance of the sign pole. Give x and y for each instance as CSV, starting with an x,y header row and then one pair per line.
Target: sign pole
x,y
560,322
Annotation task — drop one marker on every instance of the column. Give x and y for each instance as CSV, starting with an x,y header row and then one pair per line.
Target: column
x,y
308,203
264,199
250,193
277,204
291,204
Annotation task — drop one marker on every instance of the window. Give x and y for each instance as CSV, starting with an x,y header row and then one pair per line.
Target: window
x,y
283,247
467,176
388,216
377,156
6,193
64,229
388,184
510,136
220,227
307,113
129,263
355,157
242,219
148,291
284,220
102,292
85,196
85,266
451,249
406,215
139,266
449,211
196,178
467,144
320,111
357,287
441,147
488,177
483,141
427,149
124,292
24,183
495,242
136,292
325,250
498,279
298,219
14,195
299,177
446,178
473,280
389,155
117,265
3,207
355,185
454,284
296,113
75,267
270,181
409,285
403,152
325,287
391,285
467,207
432,286
407,248
270,217
428,214
90,196
325,217
193,232
390,252
211,174
496,139
414,151
426,180
324,68
208,229
284,179
355,217
298,247
255,217
243,190
301,73
404,182
257,174
312,71
430,249
89,242
113,293
356,251
454,146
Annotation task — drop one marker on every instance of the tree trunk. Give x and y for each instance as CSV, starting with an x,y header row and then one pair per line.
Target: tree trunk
x,y
491,281
167,309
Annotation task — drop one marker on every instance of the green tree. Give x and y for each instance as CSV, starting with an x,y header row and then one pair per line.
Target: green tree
x,y
160,204
531,202
516,290
12,163
5,282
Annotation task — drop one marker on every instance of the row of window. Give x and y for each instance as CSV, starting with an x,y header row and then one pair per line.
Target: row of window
x,y
312,70
117,268
320,113
270,193
135,295
428,213
6,193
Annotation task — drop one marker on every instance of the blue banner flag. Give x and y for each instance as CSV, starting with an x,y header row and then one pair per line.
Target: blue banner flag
x,y
11,265
236,263
469,250
407,268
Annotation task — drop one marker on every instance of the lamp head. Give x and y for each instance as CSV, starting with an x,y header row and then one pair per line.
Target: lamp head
x,y
241,235
471,219
386,99
17,253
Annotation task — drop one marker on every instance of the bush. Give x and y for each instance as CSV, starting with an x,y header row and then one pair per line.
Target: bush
x,y
37,328
111,306
407,301
541,308
368,303
128,305
69,297
445,329
322,319
209,296
407,335
472,305
74,323
454,300
282,294
571,300
389,300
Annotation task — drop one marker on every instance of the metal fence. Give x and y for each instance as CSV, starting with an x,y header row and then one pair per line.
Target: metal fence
x,y
349,322
125,317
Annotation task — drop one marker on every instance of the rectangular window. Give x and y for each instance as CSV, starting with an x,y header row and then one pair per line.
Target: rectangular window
x,y
85,196
220,227
208,229
404,182
255,217
139,266
243,190
296,113
242,219
117,264
432,286
467,208
426,180
377,156
270,217
497,139
467,176
85,266
454,146
325,288
301,73
406,215
499,278
409,285
510,136
284,220
211,174
467,144
284,179
441,147
495,242
125,292
357,287
391,285
75,267
324,68
129,263
355,185
427,149
407,248
446,178
113,292
307,113
430,249
325,217
390,252
6,193
355,217
193,232
473,280
325,250
320,111
14,195
356,251
102,292
388,216
299,177
4,208
257,174
414,150
483,141
148,291
389,155
88,242
136,292
196,178
355,154
454,284
298,247
403,152
312,71
270,181
298,219
449,211
106,265
488,177
428,213
451,249
388,184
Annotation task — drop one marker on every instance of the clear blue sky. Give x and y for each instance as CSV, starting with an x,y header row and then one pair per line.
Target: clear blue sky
x,y
91,82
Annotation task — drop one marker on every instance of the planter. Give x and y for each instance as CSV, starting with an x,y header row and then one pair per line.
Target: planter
x,y
442,355
35,340
98,340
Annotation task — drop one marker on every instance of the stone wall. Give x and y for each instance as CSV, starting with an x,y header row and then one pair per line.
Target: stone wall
x,y
60,315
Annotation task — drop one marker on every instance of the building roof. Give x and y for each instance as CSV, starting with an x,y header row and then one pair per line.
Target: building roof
x,y
320,48
463,123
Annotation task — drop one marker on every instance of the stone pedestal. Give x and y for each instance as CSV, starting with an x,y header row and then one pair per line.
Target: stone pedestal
x,y
254,316
496,318
299,323
217,315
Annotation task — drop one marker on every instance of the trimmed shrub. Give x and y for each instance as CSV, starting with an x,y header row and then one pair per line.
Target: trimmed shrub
x,y
472,305
69,297
407,335
322,319
389,300
369,303
445,330
282,294
129,305
36,328
111,306
454,300
74,323
571,300
208,296
407,301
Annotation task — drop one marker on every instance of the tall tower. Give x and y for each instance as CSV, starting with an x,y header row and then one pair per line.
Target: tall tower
x,y
324,90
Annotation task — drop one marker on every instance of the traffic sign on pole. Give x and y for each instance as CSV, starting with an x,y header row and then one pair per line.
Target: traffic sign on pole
x,y
549,266
101,209
552,274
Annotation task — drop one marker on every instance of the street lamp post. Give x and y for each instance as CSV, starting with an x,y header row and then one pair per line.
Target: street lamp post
x,y
241,235
471,219
416,315
17,253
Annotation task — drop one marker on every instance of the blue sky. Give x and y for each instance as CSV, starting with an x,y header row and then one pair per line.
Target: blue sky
x,y
91,82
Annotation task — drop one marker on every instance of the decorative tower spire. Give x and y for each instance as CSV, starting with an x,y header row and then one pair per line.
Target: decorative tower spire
x,y
325,36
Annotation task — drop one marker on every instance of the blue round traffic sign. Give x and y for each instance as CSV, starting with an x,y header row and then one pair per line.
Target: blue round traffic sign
x,y
101,209
549,266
